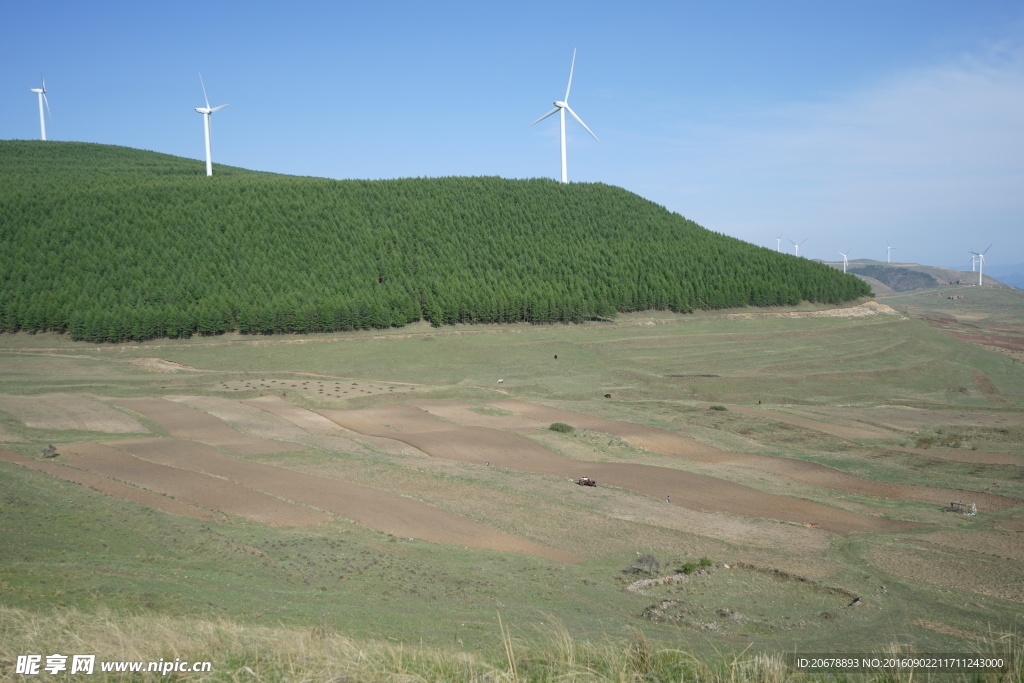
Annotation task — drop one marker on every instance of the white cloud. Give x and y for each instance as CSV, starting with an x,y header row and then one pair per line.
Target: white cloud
x,y
923,158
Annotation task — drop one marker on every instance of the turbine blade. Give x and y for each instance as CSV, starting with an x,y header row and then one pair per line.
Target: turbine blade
x,y
47,103
986,250
569,109
218,108
571,67
207,99
553,111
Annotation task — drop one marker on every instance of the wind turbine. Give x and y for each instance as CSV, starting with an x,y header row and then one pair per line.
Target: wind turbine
x,y
778,243
562,106
974,262
888,253
796,247
844,254
981,262
206,112
41,91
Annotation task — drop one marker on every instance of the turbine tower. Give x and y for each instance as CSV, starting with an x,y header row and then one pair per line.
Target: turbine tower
x,y
980,257
206,112
778,243
888,253
844,254
796,247
41,91
562,106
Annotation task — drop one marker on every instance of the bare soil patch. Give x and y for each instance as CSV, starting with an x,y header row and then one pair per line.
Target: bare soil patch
x,y
189,486
864,310
375,509
114,488
161,365
512,451
246,418
189,423
69,411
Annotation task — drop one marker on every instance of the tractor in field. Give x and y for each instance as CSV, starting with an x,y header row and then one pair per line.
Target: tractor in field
x,y
586,481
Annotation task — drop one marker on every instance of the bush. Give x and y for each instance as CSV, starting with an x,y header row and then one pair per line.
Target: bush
x,y
705,562
718,408
689,568
562,427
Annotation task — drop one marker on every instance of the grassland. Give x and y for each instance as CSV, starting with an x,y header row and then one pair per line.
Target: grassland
x,y
861,395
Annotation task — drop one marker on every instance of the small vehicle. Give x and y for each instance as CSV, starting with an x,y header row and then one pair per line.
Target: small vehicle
x,y
586,481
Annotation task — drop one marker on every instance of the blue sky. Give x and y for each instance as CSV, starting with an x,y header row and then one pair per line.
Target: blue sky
x,y
851,125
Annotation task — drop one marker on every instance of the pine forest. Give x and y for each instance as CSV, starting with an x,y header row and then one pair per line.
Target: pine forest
x,y
110,244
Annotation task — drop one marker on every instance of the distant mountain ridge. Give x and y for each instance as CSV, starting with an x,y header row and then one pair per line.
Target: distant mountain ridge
x,y
111,243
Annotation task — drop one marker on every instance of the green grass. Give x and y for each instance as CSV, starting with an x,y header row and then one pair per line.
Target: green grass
x,y
432,609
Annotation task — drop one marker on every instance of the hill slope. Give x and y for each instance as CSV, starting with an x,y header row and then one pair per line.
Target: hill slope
x,y
111,243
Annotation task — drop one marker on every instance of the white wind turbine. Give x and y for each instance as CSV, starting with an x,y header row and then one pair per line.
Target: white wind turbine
x,y
562,106
888,253
796,247
41,91
778,243
206,112
844,254
980,257
974,262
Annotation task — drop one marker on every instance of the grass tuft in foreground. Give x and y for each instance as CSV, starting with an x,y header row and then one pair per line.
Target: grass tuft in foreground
x,y
252,653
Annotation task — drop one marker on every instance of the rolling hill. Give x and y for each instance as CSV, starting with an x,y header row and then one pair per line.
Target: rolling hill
x,y
110,244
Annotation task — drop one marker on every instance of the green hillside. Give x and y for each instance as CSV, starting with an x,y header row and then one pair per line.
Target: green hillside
x,y
110,244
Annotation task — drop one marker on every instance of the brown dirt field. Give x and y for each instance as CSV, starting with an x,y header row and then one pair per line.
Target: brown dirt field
x,y
670,443
1013,524
114,488
69,411
512,451
189,486
189,423
305,419
321,426
246,418
375,509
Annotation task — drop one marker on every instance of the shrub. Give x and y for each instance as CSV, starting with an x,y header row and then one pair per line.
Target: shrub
x,y
562,427
705,562
718,408
689,568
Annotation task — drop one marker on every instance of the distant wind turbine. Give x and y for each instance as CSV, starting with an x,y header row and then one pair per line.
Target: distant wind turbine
x,y
980,256
206,112
41,91
796,247
562,106
974,262
778,243
888,253
844,254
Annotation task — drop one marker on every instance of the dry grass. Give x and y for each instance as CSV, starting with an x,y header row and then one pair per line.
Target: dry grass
x,y
252,653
